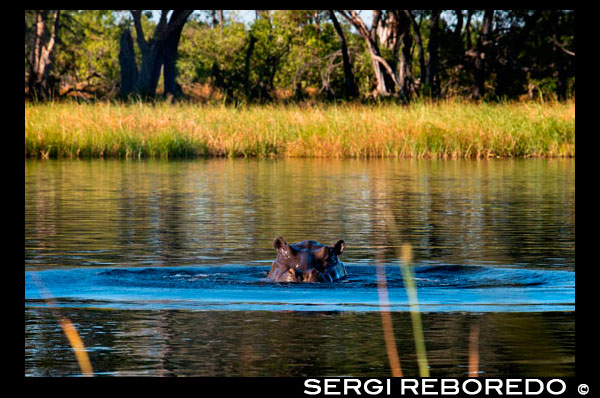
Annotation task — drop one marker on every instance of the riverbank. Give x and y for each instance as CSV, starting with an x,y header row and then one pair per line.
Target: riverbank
x,y
449,129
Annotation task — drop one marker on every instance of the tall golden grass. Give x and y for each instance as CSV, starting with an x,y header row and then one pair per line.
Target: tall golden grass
x,y
447,129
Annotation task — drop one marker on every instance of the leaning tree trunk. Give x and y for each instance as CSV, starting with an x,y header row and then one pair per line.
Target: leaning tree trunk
x,y
375,52
390,36
40,60
381,68
350,88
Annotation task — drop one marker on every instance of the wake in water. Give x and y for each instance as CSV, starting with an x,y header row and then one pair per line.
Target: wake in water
x,y
439,287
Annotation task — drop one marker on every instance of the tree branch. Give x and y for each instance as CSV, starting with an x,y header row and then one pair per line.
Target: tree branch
x,y
562,46
160,27
178,18
387,67
53,31
357,21
139,31
374,24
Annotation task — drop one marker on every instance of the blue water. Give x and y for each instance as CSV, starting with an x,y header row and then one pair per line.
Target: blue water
x,y
161,266
440,288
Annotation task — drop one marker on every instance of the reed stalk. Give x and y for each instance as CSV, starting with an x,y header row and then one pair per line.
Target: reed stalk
x,y
415,314
68,328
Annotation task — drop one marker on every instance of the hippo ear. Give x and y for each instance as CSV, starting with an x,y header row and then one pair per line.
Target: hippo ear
x,y
339,247
279,243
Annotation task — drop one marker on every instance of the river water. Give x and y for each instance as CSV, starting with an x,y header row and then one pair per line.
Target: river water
x,y
161,265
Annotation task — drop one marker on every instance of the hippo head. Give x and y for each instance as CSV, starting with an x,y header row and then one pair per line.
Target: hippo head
x,y
307,261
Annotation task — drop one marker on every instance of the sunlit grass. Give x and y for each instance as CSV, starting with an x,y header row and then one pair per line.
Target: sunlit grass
x,y
450,129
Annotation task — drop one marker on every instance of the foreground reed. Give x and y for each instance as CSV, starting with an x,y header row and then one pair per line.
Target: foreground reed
x,y
68,328
450,129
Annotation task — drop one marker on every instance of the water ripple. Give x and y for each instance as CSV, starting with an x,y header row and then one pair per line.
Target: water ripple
x,y
440,288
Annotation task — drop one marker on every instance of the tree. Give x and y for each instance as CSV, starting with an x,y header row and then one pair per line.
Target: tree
x,y
405,74
394,33
271,36
481,48
160,50
560,53
289,54
431,75
419,41
129,71
217,19
43,39
350,88
169,51
381,68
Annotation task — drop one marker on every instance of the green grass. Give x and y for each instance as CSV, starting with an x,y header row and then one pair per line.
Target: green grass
x,y
452,129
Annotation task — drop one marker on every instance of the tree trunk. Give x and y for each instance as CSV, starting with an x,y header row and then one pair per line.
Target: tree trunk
x,y
249,51
129,71
468,29
458,55
221,20
432,48
380,66
382,85
350,88
151,60
459,23
149,71
161,49
558,56
419,41
169,52
405,76
390,36
40,62
215,21
479,73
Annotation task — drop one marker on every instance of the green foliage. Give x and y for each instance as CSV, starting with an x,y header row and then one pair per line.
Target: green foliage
x,y
88,48
293,54
202,47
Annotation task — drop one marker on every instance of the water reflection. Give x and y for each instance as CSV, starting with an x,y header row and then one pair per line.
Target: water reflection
x,y
115,214
262,343
145,213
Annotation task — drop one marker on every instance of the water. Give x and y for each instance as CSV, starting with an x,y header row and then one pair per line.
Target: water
x,y
440,288
162,264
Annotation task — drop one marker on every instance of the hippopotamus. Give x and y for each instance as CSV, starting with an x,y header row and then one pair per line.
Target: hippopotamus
x,y
307,261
